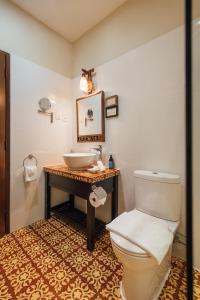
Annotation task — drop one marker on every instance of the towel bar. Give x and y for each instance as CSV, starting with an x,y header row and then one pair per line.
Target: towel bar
x,y
30,156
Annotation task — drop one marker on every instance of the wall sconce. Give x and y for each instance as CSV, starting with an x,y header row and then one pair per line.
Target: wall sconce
x,y
86,84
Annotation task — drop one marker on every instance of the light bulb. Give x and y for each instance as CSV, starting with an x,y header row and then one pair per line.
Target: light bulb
x,y
90,86
84,84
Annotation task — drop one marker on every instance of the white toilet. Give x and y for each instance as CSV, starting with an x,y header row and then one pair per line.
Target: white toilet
x,y
159,196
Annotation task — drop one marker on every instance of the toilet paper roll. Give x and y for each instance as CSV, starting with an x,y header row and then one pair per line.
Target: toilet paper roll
x,y
98,197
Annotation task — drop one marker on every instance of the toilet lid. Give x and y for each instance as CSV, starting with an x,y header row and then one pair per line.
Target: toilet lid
x,y
131,248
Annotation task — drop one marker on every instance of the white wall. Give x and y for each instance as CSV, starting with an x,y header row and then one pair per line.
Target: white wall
x,y
133,24
150,130
32,132
23,35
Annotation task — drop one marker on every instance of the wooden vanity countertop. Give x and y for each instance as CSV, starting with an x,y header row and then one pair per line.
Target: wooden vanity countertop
x,y
63,170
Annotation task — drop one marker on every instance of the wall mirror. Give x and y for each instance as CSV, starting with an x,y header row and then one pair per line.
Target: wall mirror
x,y
90,118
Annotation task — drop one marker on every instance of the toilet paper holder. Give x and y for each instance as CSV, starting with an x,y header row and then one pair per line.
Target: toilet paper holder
x,y
93,187
30,157
98,191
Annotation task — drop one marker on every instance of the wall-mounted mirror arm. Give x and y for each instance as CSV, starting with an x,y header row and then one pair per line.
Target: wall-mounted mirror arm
x,y
48,114
45,105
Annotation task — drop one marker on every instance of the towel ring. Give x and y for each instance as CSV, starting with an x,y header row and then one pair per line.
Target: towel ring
x,y
30,156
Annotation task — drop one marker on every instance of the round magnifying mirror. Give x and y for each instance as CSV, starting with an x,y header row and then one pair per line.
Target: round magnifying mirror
x,y
45,104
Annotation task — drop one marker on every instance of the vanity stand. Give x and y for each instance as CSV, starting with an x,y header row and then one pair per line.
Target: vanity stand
x,y
79,183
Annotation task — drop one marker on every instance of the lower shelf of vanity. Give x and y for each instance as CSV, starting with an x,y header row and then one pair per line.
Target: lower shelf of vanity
x,y
76,218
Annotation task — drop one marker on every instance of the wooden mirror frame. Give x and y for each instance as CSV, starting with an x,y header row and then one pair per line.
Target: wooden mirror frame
x,y
92,137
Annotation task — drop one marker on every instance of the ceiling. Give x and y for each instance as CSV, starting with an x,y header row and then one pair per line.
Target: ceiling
x,y
69,18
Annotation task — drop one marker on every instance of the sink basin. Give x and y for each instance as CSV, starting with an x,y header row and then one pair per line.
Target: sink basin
x,y
79,161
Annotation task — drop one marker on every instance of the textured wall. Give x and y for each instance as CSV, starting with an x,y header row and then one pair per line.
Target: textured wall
x,y
25,36
33,133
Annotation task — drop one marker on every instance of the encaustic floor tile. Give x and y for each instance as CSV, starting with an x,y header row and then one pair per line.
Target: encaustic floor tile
x,y
49,260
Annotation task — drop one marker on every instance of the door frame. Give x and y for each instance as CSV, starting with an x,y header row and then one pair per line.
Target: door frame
x,y
7,143
189,145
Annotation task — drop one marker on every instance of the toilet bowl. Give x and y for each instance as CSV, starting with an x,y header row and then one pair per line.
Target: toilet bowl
x,y
143,278
158,197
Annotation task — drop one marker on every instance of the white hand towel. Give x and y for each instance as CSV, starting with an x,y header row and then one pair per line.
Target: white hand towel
x,y
100,165
147,232
30,173
98,197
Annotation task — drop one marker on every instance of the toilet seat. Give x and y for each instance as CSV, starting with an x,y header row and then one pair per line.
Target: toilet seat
x,y
133,250
127,247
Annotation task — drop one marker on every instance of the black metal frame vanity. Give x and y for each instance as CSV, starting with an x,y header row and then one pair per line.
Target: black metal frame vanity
x,y
80,184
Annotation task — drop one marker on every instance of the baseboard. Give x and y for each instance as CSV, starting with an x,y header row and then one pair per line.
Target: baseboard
x,y
61,205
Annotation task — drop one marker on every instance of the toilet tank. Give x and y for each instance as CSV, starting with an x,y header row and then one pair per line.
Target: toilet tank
x,y
158,194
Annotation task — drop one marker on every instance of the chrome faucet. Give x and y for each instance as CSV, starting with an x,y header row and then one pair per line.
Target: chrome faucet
x,y
99,149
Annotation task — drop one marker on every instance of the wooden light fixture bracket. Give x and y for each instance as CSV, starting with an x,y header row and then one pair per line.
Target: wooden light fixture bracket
x,y
88,74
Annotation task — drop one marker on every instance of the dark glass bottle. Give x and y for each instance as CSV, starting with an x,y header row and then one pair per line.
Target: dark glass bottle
x,y
111,162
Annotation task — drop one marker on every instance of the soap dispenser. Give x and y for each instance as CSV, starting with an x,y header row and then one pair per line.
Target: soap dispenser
x,y
111,162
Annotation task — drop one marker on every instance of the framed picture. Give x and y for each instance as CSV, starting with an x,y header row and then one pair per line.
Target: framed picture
x,y
90,118
112,111
112,101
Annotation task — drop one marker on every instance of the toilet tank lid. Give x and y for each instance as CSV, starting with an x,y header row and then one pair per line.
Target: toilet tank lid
x,y
157,176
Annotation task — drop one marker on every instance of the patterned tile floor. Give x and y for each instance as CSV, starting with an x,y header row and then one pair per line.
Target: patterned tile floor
x,y
49,260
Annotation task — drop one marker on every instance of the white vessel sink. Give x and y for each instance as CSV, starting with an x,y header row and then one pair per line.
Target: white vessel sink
x,y
79,161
